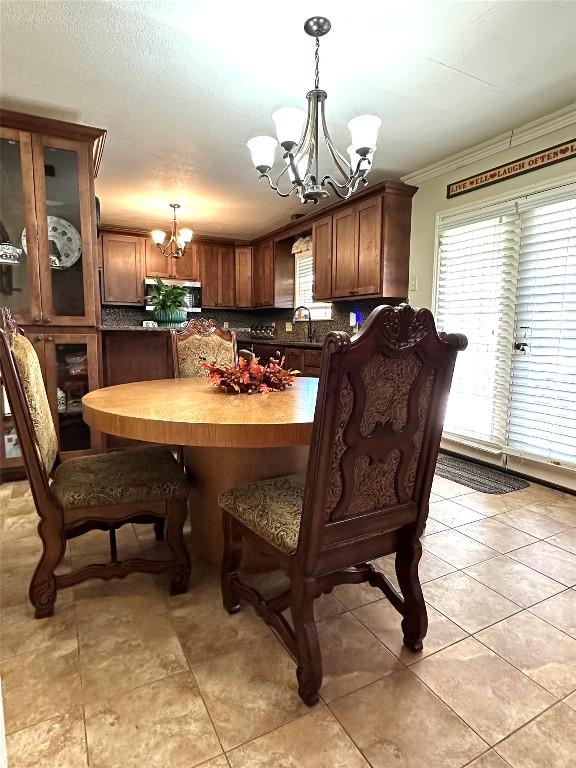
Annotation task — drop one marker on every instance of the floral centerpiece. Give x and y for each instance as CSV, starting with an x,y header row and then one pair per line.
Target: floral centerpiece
x,y
249,377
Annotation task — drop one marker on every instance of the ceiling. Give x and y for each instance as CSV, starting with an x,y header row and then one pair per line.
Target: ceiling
x,y
180,86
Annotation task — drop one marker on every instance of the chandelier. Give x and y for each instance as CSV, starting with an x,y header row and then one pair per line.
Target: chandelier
x,y
179,238
299,136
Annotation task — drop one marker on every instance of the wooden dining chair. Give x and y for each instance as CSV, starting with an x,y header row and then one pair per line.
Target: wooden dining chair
x,y
95,492
377,428
201,338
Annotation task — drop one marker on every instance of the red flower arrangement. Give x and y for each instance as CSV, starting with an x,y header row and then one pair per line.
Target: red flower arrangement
x,y
249,377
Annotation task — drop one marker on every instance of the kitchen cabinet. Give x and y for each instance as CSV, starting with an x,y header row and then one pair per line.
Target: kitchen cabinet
x,y
47,207
123,269
296,357
263,274
356,249
322,250
217,275
187,267
243,267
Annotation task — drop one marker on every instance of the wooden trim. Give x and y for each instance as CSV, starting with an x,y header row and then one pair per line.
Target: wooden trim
x,y
47,125
136,232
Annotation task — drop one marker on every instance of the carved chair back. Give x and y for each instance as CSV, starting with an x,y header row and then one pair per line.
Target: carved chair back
x,y
22,378
377,429
201,338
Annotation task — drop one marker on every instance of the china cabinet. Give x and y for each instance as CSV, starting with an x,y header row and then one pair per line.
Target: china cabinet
x,y
49,278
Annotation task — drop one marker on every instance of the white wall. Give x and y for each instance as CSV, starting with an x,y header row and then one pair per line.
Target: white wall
x,y
431,199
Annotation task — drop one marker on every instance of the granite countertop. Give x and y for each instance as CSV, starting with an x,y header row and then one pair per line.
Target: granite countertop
x,y
282,343
132,328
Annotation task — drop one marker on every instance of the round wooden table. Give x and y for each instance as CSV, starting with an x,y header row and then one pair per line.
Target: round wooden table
x,y
228,439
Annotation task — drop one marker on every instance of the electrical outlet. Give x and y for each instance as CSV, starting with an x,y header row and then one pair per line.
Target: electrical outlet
x,y
289,327
352,319
226,324
413,284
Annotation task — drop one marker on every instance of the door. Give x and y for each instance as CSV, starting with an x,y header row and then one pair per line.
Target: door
x,y
344,253
187,267
209,275
243,265
157,265
19,280
263,274
226,277
369,246
66,221
322,250
71,372
122,257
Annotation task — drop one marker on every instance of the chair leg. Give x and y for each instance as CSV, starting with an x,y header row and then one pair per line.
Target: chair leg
x,y
177,514
309,669
231,559
159,530
415,618
42,590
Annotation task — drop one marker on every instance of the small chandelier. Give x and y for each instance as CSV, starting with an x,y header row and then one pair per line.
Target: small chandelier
x,y
299,135
179,238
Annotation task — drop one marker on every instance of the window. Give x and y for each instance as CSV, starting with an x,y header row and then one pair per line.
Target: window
x,y
303,280
508,281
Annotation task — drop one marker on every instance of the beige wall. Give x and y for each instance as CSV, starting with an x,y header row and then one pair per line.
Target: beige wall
x,y
431,199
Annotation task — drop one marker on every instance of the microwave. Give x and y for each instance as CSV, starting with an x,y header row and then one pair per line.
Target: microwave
x,y
193,293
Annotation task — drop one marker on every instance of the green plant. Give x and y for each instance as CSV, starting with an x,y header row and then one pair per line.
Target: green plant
x,y
168,297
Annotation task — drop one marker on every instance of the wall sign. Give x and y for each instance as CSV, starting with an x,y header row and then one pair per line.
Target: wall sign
x,y
532,162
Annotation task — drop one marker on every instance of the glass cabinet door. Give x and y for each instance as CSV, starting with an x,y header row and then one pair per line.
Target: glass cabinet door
x,y
19,279
10,451
66,230
71,372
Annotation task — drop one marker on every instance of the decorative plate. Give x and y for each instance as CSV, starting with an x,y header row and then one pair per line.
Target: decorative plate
x,y
67,240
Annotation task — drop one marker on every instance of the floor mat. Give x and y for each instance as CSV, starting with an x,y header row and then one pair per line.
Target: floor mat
x,y
485,479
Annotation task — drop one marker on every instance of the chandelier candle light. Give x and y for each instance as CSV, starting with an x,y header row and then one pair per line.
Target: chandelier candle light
x,y
179,238
299,134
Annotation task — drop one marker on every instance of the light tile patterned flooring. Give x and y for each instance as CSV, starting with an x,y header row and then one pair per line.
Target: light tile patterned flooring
x,y
123,676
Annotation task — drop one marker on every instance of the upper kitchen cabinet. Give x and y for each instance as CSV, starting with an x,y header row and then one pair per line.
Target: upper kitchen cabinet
x,y
123,269
187,267
322,250
217,275
47,209
243,265
263,274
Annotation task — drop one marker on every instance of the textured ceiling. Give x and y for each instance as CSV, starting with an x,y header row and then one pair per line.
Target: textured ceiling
x,y
180,87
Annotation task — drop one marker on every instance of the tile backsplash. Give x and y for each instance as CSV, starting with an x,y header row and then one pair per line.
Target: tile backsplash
x,y
126,317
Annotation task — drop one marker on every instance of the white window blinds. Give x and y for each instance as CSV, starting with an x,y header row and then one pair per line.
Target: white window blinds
x,y
475,295
304,278
542,418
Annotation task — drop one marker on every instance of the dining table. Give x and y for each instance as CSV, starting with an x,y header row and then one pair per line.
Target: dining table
x,y
227,439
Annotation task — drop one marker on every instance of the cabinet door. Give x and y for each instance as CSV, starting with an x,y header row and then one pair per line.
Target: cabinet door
x,y
19,281
123,269
344,250
263,274
243,258
226,277
187,267
294,359
322,249
71,372
209,275
66,221
157,265
369,239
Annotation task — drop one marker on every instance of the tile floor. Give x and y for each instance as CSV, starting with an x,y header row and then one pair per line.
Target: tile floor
x,y
123,676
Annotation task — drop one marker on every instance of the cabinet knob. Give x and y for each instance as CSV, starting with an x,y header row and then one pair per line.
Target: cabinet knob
x,y
37,319
47,320
49,338
37,338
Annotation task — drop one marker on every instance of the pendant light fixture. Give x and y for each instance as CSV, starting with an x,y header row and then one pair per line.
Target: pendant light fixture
x,y
179,238
299,135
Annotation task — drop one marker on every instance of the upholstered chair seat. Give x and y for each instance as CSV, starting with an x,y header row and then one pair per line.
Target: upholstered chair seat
x,y
270,508
119,477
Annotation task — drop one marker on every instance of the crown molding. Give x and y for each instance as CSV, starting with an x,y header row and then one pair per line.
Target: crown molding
x,y
533,130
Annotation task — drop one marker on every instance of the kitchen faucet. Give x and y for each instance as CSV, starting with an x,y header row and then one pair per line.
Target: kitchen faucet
x,y
310,331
